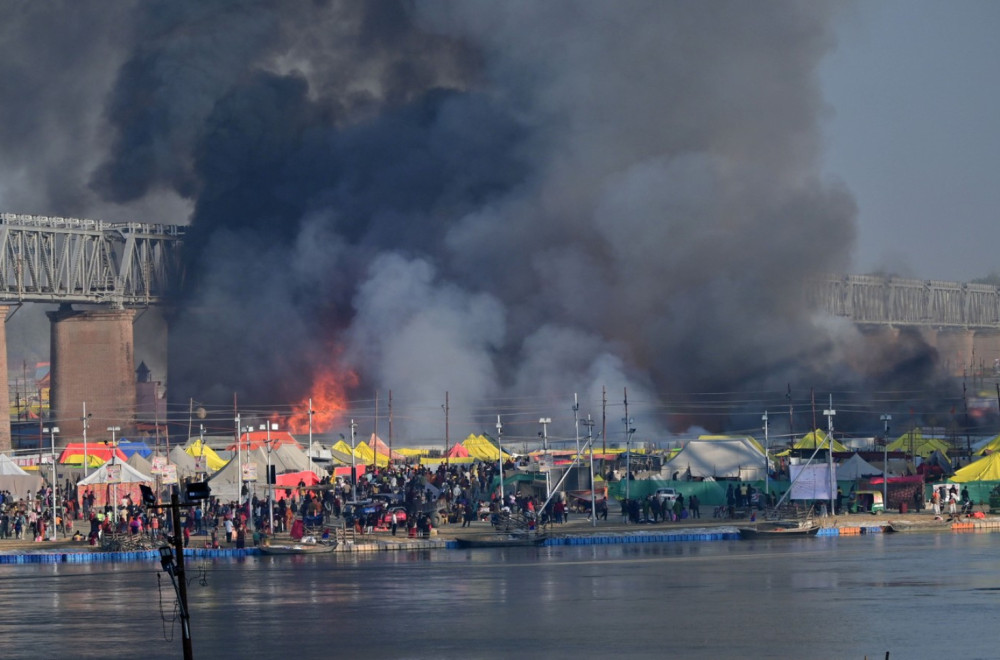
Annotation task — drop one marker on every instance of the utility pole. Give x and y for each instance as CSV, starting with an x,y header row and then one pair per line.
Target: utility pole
x,y
589,423
447,438
500,449
830,412
885,461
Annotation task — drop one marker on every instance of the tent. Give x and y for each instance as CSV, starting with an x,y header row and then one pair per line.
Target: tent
x,y
749,438
99,449
811,439
738,458
197,448
105,491
479,446
343,448
914,442
856,468
992,446
16,480
458,451
365,455
937,466
985,469
184,462
129,447
257,439
292,479
383,449
140,463
225,482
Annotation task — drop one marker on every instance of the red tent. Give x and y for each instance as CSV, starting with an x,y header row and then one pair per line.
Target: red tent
x,y
458,450
257,439
292,479
379,446
99,449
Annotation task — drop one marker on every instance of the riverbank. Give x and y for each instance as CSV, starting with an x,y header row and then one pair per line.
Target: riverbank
x,y
578,527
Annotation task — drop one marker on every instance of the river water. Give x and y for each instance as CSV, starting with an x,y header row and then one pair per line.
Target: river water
x,y
913,595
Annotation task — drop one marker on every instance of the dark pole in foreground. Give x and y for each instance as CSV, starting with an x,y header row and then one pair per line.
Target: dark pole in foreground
x,y
181,580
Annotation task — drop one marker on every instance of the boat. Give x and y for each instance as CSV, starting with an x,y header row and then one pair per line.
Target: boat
x,y
906,527
501,541
778,529
298,548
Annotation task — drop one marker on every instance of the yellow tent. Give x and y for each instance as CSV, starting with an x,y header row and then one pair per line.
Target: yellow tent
x,y
76,460
479,447
915,442
749,438
985,469
212,460
342,447
809,441
990,447
365,454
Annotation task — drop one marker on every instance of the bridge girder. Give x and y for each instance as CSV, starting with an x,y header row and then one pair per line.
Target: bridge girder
x,y
69,260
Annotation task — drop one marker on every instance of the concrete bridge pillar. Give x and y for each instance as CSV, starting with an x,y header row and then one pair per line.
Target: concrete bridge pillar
x,y
92,357
4,384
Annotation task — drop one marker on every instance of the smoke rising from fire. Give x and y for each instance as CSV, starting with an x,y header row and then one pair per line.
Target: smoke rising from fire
x,y
508,202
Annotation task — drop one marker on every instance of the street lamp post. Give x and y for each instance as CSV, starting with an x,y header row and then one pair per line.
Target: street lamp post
x,y
545,421
114,485
52,430
589,423
311,466
829,413
250,492
629,430
885,461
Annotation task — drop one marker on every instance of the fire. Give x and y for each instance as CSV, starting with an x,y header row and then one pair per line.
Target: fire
x,y
329,402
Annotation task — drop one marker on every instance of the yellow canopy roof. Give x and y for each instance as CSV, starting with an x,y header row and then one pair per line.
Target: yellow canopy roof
x,y
990,447
985,469
212,460
915,442
366,454
342,447
811,439
479,447
412,452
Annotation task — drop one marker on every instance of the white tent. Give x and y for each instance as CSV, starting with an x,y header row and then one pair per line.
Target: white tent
x,y
856,468
17,481
184,461
128,475
9,467
719,459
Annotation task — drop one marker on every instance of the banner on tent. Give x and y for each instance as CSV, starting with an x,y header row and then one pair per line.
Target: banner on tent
x,y
158,463
810,482
169,474
114,474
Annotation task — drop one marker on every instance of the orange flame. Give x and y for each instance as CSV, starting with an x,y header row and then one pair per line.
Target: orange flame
x,y
329,402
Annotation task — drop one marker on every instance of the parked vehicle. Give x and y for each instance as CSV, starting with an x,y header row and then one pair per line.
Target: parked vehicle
x,y
667,495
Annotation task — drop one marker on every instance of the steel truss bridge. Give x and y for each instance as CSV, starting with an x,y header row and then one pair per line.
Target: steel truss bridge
x,y
134,264
68,260
874,300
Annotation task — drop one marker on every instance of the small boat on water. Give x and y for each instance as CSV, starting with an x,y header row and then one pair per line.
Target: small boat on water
x,y
501,541
778,529
298,548
906,527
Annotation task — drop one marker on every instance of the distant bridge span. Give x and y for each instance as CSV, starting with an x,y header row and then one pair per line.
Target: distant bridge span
x,y
895,301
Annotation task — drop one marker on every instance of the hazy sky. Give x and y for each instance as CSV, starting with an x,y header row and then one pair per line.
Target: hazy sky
x,y
914,98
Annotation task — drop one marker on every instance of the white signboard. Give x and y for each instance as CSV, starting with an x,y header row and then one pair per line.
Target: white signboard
x,y
169,474
810,482
249,472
